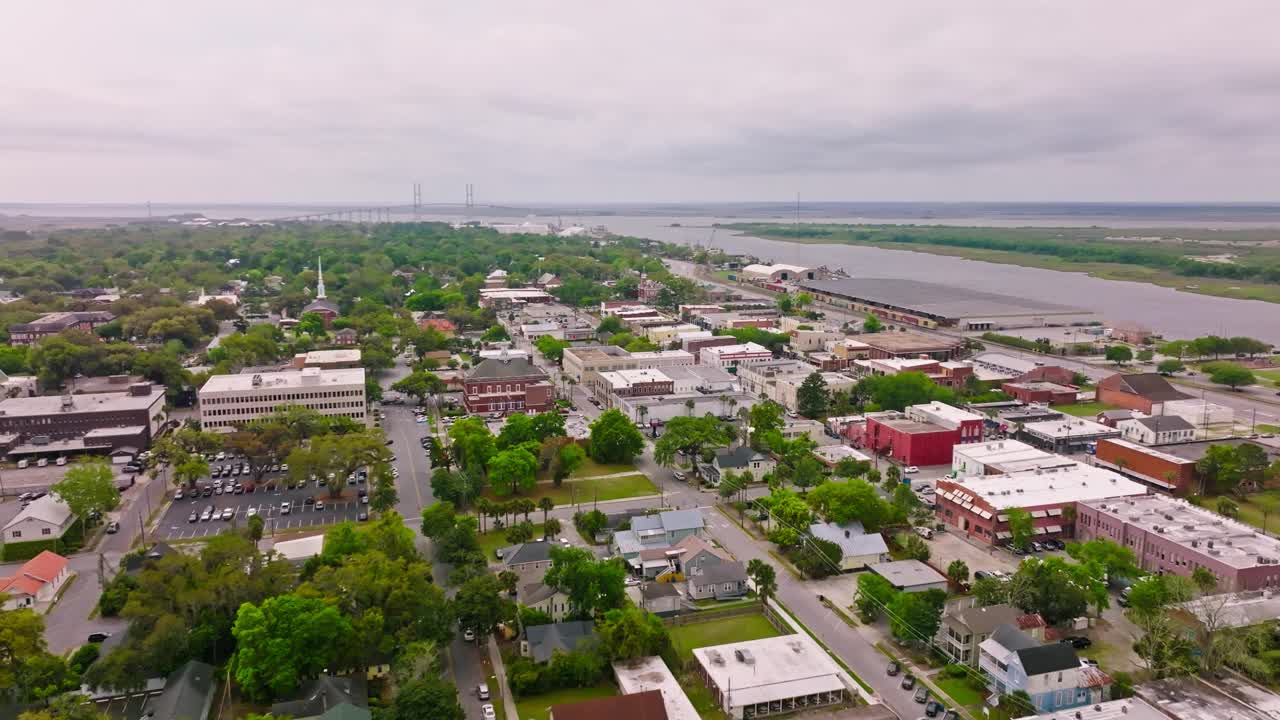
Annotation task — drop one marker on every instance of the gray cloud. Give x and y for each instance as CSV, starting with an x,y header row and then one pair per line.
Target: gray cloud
x,y
583,101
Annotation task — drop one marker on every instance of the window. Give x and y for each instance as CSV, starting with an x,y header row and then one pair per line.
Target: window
x,y
17,533
46,531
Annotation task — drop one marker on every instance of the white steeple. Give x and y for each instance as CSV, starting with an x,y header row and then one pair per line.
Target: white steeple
x,y
319,279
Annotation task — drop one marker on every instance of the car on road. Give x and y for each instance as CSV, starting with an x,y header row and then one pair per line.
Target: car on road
x,y
908,682
910,470
113,527
99,637
193,517
364,499
487,712
893,669
631,581
1078,642
228,513
285,508
564,541
176,496
922,695
319,505
679,475
482,690
363,516
469,635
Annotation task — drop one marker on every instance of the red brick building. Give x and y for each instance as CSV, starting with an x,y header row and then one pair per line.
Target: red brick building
x,y
443,325
1048,373
1041,392
1146,392
923,435
506,384
54,323
1166,471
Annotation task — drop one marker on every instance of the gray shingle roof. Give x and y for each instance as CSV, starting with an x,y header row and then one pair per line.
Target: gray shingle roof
x,y
537,551
722,573
544,640
738,457
323,694
1165,423
1013,639
505,367
852,541
984,620
188,693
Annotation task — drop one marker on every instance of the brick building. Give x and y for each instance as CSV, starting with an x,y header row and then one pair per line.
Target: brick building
x,y
73,416
977,506
1046,393
631,383
506,384
54,323
1171,536
923,434
1145,392
1163,470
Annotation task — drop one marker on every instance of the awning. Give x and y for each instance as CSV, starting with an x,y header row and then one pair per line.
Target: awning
x,y
1055,512
967,506
1041,531
1053,528
1039,514
1002,535
984,514
1003,518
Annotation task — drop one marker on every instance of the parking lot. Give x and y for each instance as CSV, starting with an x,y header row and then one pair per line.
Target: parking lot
x,y
176,523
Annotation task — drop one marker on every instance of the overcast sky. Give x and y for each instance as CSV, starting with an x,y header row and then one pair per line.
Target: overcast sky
x,y
651,101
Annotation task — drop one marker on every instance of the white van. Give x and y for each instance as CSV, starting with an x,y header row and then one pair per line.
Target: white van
x,y
60,461
924,532
22,464
42,462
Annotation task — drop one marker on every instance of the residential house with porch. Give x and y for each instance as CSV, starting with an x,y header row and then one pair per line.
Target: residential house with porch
x,y
1052,675
726,581
962,632
738,460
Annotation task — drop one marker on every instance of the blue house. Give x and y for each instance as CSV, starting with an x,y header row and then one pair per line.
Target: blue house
x,y
1051,674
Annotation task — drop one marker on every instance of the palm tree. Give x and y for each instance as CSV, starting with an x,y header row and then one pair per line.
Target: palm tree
x,y
545,504
724,400
551,528
690,405
525,506
764,577
484,508
643,412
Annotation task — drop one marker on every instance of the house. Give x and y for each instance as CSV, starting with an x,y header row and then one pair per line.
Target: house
x,y
345,336
668,527
910,575
698,555
1145,392
542,641
47,518
1051,674
737,460
658,561
540,596
660,598
331,697
548,281
1112,418
527,557
496,279
962,632
858,548
646,705
506,383
444,326
187,695
725,581
1157,430
37,581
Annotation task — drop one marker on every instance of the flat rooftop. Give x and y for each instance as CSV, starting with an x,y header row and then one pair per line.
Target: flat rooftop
x,y
911,427
1127,709
907,573
1196,450
745,400
663,355
940,301
651,673
736,349
908,342
597,353
1068,427
89,402
309,378
944,412
1008,455
1194,699
1047,486
836,453
332,356
698,372
1153,452
627,378
1042,386
770,669
1195,528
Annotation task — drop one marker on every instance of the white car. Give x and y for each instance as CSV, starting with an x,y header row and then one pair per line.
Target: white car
x,y
910,469
631,580
487,711
251,512
469,635
564,541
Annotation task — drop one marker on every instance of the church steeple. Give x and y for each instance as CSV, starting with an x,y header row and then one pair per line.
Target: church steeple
x,y
320,279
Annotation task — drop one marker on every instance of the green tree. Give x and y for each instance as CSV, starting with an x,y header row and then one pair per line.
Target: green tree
x,y
481,605
1231,375
1118,354
958,572
520,533
384,496
1170,366
872,324
593,586
896,392
335,457
688,437
818,558
551,529
551,348
1145,355
496,333
1109,559
88,487
914,547
764,419
284,641
426,697
853,500
473,444
629,632
420,384
764,577
438,518
513,471
812,396
1228,507
915,616
1204,580
614,439
1020,528
873,596
569,458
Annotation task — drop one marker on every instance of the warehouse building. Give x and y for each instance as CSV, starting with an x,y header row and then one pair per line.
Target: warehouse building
x,y
977,507
773,676
228,401
657,409
910,575
929,305
138,413
1172,536
907,345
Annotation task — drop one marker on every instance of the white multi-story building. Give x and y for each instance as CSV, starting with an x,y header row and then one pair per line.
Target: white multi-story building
x,y
731,356
227,401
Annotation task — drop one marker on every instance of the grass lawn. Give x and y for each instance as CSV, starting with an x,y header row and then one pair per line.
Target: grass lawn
x,y
1254,508
1084,409
536,707
1264,428
701,698
494,539
588,490
1272,375
718,632
960,690
590,468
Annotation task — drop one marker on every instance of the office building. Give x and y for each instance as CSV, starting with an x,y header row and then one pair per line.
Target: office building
x,y
506,384
229,401
42,418
54,323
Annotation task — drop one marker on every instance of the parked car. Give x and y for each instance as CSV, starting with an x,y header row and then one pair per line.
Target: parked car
x,y
192,517
932,708
910,470
982,575
469,635
251,512
228,513
924,532
285,508
99,637
363,516
206,515
893,669
319,505
487,712
908,682
113,527
922,695
176,496
1078,642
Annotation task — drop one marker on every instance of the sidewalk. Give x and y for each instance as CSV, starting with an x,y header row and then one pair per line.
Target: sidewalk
x,y
508,701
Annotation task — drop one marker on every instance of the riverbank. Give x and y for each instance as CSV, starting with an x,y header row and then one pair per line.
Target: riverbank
x,y
1168,250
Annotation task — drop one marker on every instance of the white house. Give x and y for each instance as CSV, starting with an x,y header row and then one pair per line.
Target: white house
x,y
1157,430
858,548
47,518
37,581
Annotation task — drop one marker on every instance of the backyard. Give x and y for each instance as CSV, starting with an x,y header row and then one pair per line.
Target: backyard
x,y
1085,410
537,707
718,632
494,539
